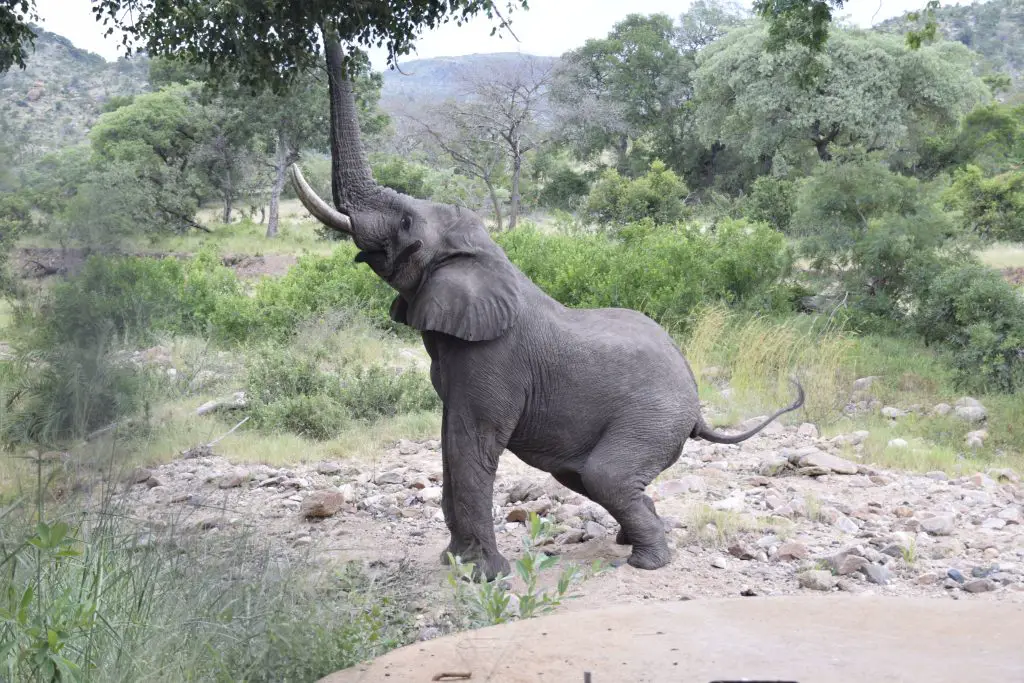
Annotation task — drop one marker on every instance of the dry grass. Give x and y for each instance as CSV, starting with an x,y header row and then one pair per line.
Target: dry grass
x,y
718,528
759,356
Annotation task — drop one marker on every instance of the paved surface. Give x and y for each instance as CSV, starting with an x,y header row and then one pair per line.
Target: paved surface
x,y
799,639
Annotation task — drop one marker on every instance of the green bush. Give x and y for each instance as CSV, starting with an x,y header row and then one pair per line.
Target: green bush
x,y
992,208
373,392
663,271
658,195
317,416
970,308
772,200
404,176
564,189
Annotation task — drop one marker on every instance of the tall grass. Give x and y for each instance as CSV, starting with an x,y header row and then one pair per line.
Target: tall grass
x,y
85,596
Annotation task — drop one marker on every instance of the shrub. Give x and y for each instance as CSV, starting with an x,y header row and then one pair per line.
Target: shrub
x,y
981,316
663,271
372,392
564,189
992,208
772,200
403,176
658,195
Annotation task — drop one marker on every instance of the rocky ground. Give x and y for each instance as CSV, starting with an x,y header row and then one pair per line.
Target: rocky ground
x,y
784,512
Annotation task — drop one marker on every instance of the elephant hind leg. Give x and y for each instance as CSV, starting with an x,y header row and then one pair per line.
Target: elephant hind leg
x,y
617,479
623,538
574,482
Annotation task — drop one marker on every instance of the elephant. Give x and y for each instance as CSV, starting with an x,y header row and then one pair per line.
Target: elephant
x,y
602,399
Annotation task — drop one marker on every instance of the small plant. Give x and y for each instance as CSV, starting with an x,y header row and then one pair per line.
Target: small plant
x,y
494,602
909,552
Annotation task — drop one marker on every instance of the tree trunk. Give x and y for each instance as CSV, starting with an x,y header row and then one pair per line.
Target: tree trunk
x,y
228,191
351,180
263,214
281,161
621,158
517,168
494,202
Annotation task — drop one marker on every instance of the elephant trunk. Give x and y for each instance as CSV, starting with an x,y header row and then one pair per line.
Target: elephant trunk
x,y
352,184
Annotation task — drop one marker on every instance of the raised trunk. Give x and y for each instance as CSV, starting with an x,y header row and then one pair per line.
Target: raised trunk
x,y
352,182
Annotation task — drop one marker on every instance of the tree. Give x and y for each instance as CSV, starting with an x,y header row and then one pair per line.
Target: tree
x,y
992,208
267,43
873,92
705,22
16,33
611,91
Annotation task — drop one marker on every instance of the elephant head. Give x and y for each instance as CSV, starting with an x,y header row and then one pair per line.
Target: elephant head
x,y
451,277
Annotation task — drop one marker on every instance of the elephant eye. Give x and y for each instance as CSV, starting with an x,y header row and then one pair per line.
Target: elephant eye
x,y
406,222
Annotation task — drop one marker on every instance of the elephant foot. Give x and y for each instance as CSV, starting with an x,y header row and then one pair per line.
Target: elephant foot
x,y
621,538
486,566
653,556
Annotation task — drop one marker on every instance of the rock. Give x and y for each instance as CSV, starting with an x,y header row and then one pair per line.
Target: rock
x,y
817,580
711,372
593,530
877,574
971,413
942,409
429,633
955,575
565,512
233,479
979,434
993,523
406,447
807,431
392,477
829,462
733,503
791,550
980,586
420,481
1010,514
892,412
846,525
927,579
236,401
430,494
321,504
968,402
846,563
741,552
852,439
719,563
974,443
140,475
898,443
938,475
521,513
570,536
525,490
328,468
941,524
864,383
688,484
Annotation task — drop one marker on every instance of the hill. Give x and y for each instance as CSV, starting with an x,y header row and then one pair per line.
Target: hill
x,y
993,29
60,94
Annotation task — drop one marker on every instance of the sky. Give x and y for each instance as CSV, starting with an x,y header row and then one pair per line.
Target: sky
x,y
549,27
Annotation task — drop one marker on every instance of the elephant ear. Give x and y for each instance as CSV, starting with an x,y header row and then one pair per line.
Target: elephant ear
x,y
473,295
399,310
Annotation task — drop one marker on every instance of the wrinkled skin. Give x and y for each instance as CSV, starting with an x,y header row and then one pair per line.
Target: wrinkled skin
x,y
602,398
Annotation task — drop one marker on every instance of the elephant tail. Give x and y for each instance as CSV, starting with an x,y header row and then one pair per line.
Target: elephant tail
x,y
702,431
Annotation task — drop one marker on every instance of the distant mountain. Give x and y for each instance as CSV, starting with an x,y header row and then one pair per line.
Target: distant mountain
x,y
993,29
60,94
433,80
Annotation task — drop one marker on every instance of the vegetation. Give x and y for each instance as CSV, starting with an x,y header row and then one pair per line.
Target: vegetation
x,y
785,195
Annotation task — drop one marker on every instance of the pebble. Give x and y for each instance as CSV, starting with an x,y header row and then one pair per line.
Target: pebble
x,y
898,443
939,525
593,530
979,586
791,550
877,573
720,563
955,575
817,580
321,504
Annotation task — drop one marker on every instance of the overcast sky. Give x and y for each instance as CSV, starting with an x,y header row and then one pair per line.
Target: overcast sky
x,y
550,27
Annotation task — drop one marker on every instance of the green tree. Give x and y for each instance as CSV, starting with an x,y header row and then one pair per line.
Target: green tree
x,y
873,93
658,195
612,91
992,208
16,35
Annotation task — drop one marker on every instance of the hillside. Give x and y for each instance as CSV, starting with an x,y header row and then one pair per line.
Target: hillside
x,y
433,80
993,29
61,92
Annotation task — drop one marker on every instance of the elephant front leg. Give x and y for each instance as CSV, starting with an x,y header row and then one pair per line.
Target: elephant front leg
x,y
469,457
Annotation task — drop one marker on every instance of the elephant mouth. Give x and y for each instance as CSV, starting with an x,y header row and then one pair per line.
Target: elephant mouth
x,y
377,259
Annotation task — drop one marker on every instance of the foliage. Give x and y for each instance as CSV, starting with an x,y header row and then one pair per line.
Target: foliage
x,y
91,600
981,317
15,32
491,603
663,271
272,42
772,200
992,208
871,225
658,195
305,393
873,92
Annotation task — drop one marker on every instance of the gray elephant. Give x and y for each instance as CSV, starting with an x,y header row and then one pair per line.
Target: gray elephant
x,y
601,398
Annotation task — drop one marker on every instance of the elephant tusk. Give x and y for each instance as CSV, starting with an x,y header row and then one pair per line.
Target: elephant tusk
x,y
321,210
